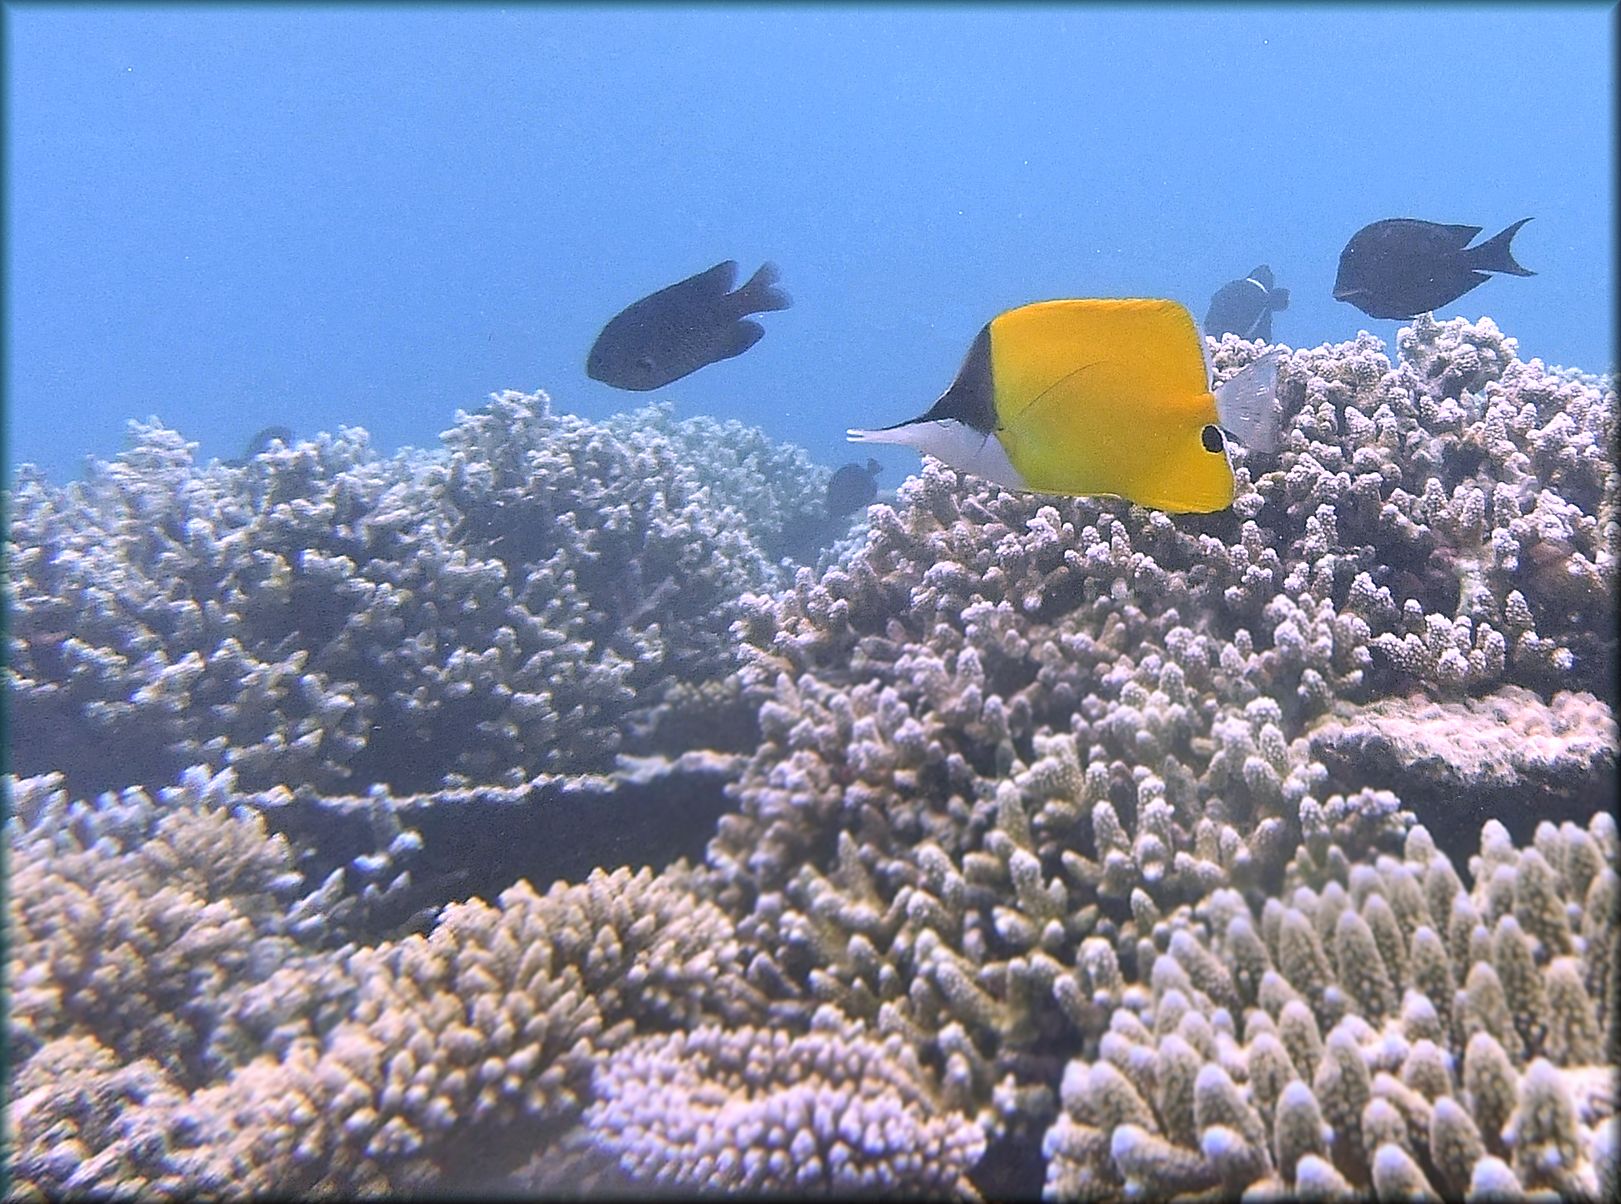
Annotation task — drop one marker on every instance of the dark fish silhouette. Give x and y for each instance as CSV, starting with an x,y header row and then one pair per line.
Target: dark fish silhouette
x,y
1245,307
1403,267
806,534
851,488
679,329
260,443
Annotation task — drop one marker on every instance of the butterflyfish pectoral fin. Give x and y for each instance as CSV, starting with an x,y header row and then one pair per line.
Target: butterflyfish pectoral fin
x,y
1248,407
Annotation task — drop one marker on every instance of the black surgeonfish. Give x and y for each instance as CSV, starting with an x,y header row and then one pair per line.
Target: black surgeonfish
x,y
260,443
1245,307
852,487
679,329
1402,267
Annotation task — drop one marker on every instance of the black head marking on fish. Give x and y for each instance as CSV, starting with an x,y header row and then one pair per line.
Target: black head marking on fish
x,y
971,398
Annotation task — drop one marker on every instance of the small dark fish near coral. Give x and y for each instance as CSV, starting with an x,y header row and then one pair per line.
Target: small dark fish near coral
x,y
1403,267
260,443
852,487
1245,307
679,329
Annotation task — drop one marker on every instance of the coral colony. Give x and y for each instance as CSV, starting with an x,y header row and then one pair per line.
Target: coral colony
x,y
1055,846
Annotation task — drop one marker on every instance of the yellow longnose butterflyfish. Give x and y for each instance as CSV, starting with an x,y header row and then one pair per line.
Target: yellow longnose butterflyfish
x,y
1097,396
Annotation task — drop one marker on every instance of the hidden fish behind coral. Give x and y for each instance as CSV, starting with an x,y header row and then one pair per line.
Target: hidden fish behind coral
x,y
852,487
1245,307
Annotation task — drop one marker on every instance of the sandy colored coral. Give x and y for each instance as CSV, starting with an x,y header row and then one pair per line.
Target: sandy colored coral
x,y
1477,751
326,616
832,1112
1034,802
147,924
1402,1083
163,968
1149,685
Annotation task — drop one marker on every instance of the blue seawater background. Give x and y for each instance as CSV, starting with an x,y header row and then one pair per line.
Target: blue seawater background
x,y
373,216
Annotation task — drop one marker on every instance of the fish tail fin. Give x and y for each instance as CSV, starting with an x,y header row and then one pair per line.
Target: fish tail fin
x,y
1494,255
761,294
1278,298
1247,404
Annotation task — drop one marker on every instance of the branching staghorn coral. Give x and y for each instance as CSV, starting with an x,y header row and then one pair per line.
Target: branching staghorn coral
x,y
153,946
982,931
1042,817
832,1112
173,1035
152,926
1148,683
1378,1025
1488,488
323,617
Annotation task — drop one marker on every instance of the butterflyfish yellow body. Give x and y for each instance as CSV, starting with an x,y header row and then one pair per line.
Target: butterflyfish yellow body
x,y
1096,396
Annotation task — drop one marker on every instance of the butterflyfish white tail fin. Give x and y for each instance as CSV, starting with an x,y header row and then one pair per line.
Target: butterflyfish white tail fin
x,y
1247,405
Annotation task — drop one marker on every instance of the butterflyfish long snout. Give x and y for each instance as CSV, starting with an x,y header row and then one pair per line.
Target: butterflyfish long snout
x,y
1097,396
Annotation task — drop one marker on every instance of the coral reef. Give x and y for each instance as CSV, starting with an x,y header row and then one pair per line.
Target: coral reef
x,y
1416,1038
1375,1014
195,1041
1006,717
546,592
1062,845
831,1112
1504,753
1361,563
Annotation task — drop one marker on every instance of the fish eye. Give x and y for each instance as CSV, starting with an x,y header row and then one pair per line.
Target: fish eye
x,y
1211,438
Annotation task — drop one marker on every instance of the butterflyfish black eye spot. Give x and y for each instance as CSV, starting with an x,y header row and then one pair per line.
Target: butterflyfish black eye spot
x,y
1211,438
